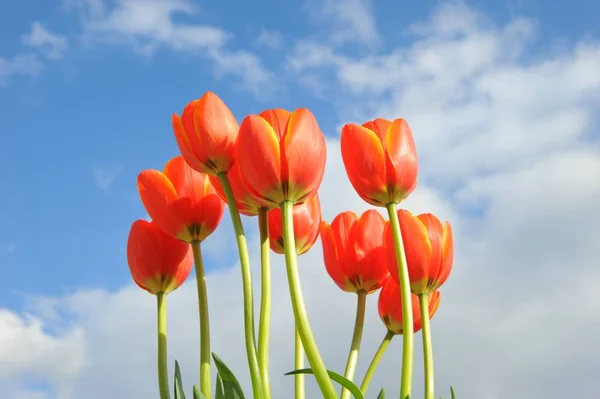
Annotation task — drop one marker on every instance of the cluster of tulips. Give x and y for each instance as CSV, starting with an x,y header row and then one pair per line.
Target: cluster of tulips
x,y
272,166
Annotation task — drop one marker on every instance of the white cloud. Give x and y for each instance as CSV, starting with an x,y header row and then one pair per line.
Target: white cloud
x,y
52,45
21,64
508,153
104,177
150,25
270,39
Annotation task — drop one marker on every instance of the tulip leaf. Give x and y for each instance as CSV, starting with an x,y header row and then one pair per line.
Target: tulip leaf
x,y
381,394
340,379
197,393
231,386
179,394
220,392
452,394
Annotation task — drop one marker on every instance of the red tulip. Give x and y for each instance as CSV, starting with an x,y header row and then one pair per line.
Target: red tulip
x,y
181,201
206,134
429,249
247,204
354,252
390,307
282,155
157,261
380,160
307,220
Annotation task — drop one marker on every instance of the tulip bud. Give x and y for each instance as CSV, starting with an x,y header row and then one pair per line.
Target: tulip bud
x,y
307,220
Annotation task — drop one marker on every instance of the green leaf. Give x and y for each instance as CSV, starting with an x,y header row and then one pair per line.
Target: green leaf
x,y
231,386
452,394
220,392
179,394
197,393
340,379
381,394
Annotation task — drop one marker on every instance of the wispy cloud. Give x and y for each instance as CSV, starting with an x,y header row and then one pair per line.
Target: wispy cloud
x,y
20,64
50,44
270,39
104,177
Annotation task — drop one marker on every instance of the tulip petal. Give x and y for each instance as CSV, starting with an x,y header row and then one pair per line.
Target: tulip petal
x,y
186,181
302,145
378,126
417,248
364,160
401,160
259,159
278,118
158,195
331,258
184,144
447,254
434,230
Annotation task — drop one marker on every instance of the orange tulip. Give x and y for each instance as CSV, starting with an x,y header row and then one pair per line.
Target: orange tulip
x,y
206,134
307,220
282,155
157,261
390,307
247,204
429,249
380,160
354,252
181,201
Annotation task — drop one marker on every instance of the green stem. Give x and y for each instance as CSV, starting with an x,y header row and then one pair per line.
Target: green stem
x,y
302,324
375,362
265,301
163,374
204,320
298,365
427,349
356,339
249,334
407,316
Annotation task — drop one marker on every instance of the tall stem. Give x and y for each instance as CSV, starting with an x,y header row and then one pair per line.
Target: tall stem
x,y
299,387
163,374
427,349
204,320
407,316
356,339
249,334
375,362
265,301
302,324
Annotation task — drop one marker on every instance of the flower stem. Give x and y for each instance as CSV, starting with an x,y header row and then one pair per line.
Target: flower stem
x,y
163,374
356,339
407,316
302,324
204,320
298,365
427,349
249,334
265,301
375,362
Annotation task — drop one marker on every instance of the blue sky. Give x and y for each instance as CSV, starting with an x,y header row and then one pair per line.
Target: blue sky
x,y
87,89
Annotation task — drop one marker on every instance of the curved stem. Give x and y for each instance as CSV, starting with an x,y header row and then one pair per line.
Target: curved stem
x,y
163,374
249,334
375,362
356,339
298,365
302,324
204,320
407,316
427,349
265,301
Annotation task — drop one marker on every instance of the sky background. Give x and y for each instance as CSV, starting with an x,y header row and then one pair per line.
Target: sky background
x,y
503,98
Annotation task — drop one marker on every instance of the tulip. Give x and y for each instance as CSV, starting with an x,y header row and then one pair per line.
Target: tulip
x,y
159,264
354,251
381,160
282,155
206,134
184,203
307,220
180,200
429,251
246,203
